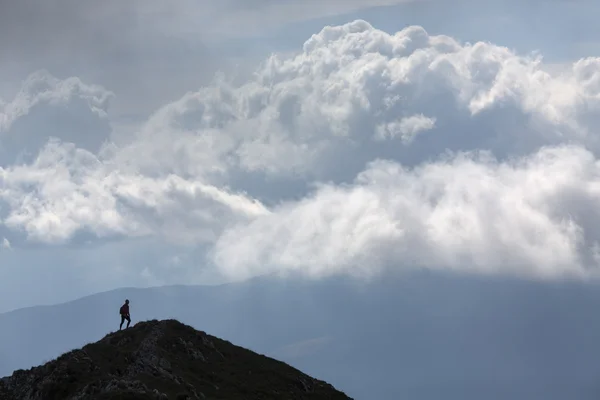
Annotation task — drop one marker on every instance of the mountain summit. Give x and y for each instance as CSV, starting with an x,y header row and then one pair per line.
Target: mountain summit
x,y
164,360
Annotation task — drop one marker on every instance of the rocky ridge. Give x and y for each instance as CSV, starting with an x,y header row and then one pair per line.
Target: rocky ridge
x,y
163,360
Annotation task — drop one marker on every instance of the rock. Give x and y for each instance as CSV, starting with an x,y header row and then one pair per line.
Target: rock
x,y
163,360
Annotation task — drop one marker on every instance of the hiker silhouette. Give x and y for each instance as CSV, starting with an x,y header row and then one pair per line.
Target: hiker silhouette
x,y
124,311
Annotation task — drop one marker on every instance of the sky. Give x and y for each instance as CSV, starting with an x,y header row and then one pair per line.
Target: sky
x,y
146,144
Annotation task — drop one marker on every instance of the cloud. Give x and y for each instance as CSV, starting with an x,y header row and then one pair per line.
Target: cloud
x,y
534,216
303,115
407,128
488,163
60,177
68,190
48,107
147,51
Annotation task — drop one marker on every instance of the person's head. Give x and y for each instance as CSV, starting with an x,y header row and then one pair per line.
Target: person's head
x,y
126,301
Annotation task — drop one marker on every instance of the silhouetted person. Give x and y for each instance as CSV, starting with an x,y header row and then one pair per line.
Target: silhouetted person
x,y
124,311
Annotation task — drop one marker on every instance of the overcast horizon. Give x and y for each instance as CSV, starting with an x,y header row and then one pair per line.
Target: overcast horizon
x,y
201,142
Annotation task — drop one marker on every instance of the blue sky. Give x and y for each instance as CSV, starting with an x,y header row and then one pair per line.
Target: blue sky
x,y
199,143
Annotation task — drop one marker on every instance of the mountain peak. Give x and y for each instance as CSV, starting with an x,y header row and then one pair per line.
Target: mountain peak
x,y
164,360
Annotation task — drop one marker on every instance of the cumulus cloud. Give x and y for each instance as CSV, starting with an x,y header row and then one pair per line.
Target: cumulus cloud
x,y
68,190
407,128
364,151
303,115
49,107
535,216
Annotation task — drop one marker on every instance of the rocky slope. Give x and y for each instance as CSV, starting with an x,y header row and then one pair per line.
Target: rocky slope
x,y
164,360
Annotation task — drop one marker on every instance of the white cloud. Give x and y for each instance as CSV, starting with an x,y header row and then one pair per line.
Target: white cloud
x,y
195,170
68,190
48,107
407,128
305,114
535,216
43,88
5,244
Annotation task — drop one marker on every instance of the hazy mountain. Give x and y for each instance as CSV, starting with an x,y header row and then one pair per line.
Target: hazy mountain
x,y
421,336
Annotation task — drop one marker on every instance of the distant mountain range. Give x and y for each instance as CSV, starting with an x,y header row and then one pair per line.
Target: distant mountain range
x,y
418,336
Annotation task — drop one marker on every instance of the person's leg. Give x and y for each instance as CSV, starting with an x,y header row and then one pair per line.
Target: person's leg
x,y
122,320
128,320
